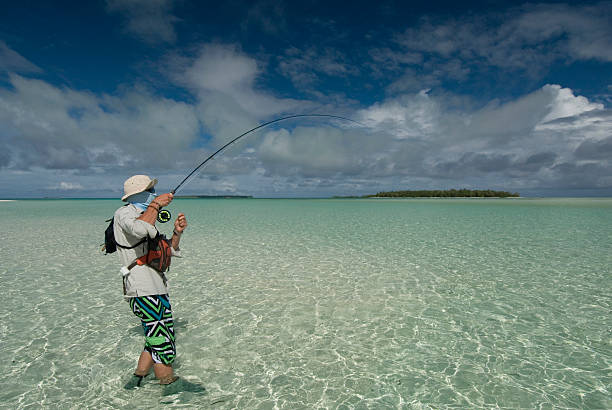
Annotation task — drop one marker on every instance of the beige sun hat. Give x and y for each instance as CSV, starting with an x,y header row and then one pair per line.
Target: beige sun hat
x,y
137,184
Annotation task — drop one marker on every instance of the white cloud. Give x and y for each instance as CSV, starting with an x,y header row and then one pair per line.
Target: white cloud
x,y
316,151
533,138
520,36
45,127
222,68
549,137
224,80
150,20
393,60
529,38
565,104
65,129
429,74
12,61
584,31
405,116
68,186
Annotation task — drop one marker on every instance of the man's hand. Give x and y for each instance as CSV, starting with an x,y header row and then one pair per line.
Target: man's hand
x,y
163,200
150,214
180,224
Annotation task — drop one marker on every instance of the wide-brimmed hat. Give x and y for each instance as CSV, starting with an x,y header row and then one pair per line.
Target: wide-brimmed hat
x,y
137,184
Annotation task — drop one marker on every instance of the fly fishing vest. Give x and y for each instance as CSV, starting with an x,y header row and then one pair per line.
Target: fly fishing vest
x,y
158,257
159,253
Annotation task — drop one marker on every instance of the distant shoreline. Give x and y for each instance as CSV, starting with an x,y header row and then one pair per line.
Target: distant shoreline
x,y
439,197
438,193
213,196
309,198
448,193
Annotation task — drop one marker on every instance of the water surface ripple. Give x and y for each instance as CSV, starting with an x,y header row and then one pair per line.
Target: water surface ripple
x,y
321,304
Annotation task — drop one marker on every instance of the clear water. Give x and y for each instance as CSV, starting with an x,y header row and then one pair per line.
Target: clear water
x,y
320,304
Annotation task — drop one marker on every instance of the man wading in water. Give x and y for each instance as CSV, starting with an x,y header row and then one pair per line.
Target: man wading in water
x,y
145,287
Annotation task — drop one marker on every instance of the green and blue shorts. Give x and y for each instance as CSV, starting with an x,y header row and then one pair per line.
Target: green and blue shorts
x,y
155,314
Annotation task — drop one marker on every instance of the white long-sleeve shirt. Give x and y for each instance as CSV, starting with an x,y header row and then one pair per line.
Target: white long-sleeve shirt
x,y
142,280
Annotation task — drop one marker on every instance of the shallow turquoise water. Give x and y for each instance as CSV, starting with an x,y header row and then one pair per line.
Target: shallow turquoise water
x,y
321,304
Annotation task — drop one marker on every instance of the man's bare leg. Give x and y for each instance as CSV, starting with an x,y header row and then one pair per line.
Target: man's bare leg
x,y
145,362
164,373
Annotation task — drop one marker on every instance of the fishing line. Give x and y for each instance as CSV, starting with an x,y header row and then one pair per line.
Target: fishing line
x,y
255,129
164,215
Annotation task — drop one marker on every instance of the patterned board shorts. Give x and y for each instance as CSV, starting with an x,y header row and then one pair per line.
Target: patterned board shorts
x,y
155,313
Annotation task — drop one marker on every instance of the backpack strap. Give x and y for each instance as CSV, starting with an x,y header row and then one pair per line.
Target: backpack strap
x,y
126,271
143,240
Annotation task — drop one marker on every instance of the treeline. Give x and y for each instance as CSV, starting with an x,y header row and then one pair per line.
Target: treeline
x,y
214,196
450,193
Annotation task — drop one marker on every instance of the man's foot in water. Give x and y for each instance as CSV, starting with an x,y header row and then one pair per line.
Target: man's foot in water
x,y
164,381
134,382
178,385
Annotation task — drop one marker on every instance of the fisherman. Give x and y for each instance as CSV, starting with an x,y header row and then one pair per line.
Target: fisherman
x,y
146,288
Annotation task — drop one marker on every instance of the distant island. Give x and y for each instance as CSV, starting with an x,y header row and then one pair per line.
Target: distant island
x,y
450,193
213,196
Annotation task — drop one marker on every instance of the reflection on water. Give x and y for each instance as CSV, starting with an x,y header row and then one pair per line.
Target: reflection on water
x,y
321,303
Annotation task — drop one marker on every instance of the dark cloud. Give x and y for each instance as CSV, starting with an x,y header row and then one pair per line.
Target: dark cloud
x,y
477,164
64,158
49,155
536,162
105,158
583,176
595,149
306,67
5,157
532,35
473,163
267,15
525,40
150,20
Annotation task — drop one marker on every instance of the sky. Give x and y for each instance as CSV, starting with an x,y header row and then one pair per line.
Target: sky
x,y
476,94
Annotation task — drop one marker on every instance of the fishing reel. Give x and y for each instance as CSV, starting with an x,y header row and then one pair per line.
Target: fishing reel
x,y
164,216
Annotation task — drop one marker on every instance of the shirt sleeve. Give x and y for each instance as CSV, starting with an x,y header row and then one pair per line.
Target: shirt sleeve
x,y
136,227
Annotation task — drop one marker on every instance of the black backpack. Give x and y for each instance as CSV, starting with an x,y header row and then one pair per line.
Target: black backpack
x,y
110,244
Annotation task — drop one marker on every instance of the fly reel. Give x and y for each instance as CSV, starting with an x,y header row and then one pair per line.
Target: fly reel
x,y
163,216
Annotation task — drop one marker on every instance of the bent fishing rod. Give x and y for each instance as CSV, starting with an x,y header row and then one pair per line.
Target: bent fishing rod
x,y
164,215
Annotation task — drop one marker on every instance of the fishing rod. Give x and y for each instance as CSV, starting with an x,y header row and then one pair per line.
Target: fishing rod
x,y
164,215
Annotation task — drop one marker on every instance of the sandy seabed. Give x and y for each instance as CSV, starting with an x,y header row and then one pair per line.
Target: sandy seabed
x,y
336,304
